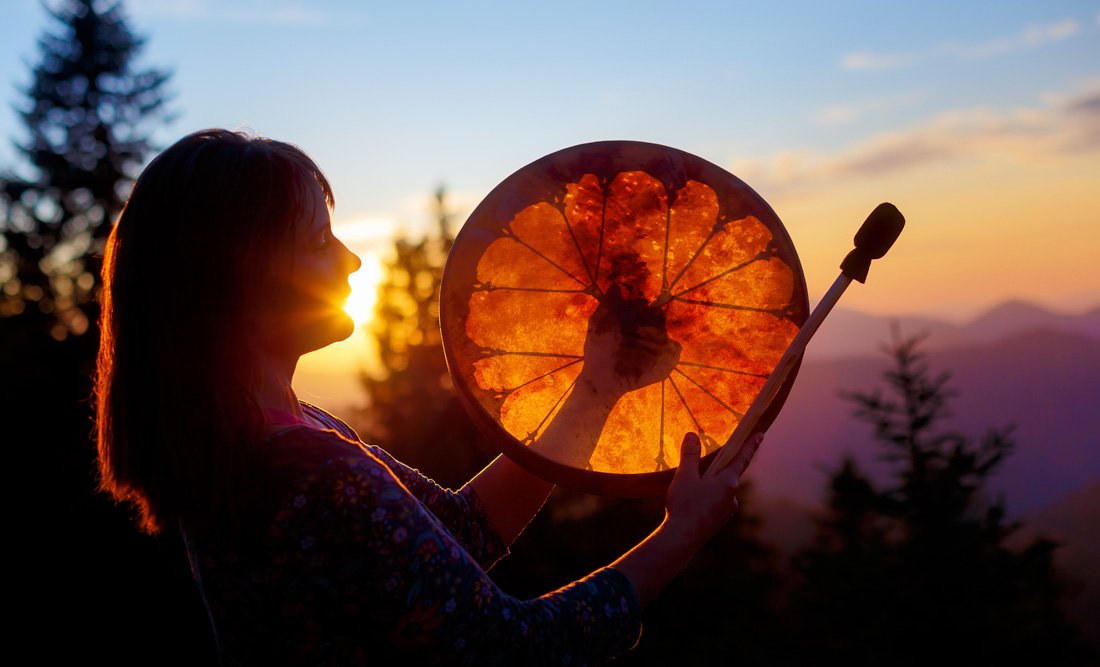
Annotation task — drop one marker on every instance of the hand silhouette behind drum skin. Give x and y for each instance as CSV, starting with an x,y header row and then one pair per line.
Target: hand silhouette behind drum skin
x,y
626,348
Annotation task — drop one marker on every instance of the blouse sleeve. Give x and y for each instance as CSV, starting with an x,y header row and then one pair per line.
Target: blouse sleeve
x,y
398,574
460,511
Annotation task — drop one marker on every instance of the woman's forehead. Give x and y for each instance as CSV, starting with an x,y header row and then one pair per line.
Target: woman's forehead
x,y
315,210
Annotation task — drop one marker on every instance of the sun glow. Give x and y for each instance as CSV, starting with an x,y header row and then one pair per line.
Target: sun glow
x,y
364,290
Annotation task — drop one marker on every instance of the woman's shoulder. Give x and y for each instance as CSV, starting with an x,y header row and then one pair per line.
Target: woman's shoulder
x,y
305,463
362,452
330,420
299,450
329,486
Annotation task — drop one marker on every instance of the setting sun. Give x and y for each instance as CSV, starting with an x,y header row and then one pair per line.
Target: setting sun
x,y
364,290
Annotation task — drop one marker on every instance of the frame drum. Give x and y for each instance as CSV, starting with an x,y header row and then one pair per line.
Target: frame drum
x,y
610,297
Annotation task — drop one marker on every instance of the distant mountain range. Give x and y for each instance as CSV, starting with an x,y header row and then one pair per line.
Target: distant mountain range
x,y
847,333
1017,364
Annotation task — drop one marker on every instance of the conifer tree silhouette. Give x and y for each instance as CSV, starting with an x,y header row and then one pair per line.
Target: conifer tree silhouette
x,y
918,571
88,115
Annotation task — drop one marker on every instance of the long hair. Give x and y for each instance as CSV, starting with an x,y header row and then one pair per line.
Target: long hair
x,y
186,275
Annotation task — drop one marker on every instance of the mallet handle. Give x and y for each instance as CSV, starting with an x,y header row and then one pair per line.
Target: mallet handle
x,y
875,236
778,375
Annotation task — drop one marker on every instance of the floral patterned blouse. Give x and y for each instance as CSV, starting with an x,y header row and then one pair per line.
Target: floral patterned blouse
x,y
366,561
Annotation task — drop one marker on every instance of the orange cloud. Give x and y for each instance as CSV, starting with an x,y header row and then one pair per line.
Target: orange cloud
x,y
1063,126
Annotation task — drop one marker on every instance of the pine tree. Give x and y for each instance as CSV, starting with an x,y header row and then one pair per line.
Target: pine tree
x,y
918,571
88,115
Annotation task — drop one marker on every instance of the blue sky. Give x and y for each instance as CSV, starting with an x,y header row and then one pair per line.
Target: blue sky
x,y
968,115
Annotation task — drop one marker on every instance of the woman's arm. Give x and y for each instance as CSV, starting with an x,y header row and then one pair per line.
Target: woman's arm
x,y
626,347
694,511
384,574
510,495
385,570
464,512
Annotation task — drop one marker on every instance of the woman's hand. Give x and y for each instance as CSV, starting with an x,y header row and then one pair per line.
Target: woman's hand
x,y
698,506
627,346
695,509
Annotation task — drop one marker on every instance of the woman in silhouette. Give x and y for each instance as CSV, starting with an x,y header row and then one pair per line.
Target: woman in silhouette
x,y
308,545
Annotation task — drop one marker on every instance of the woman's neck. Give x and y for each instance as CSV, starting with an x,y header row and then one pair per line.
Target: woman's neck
x,y
276,392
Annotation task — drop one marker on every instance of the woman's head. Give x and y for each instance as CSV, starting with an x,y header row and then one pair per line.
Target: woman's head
x,y
215,231
223,254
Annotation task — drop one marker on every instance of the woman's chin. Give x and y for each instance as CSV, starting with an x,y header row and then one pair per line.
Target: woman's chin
x,y
333,329
343,325
319,331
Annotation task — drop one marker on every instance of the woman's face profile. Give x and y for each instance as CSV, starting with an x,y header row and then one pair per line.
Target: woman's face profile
x,y
313,289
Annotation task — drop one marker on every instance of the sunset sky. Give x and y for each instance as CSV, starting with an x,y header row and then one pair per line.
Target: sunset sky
x,y
979,120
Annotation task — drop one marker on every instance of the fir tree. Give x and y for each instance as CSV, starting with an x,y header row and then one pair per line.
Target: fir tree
x,y
918,571
88,114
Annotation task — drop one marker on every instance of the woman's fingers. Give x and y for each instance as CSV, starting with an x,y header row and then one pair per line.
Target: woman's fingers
x,y
744,456
699,506
690,449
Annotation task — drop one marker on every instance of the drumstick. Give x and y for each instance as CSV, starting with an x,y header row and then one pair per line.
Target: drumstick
x,y
873,239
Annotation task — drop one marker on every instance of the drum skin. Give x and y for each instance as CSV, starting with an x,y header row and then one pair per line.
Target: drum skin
x,y
608,298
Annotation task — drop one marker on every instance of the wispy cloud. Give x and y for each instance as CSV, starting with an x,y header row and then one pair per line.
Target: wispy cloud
x,y
1061,125
257,12
843,114
1029,38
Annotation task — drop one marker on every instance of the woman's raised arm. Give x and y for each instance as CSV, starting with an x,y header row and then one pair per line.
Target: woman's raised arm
x,y
510,495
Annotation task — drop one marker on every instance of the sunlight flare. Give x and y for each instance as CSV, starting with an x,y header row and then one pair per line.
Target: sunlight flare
x,y
364,290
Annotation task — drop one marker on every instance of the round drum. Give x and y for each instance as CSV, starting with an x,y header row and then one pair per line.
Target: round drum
x,y
606,299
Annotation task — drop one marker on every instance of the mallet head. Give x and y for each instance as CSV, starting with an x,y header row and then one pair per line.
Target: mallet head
x,y
873,239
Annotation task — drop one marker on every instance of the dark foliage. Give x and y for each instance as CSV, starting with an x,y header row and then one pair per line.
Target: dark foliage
x,y
918,572
103,589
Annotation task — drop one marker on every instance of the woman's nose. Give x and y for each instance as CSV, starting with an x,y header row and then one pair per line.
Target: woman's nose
x,y
352,260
